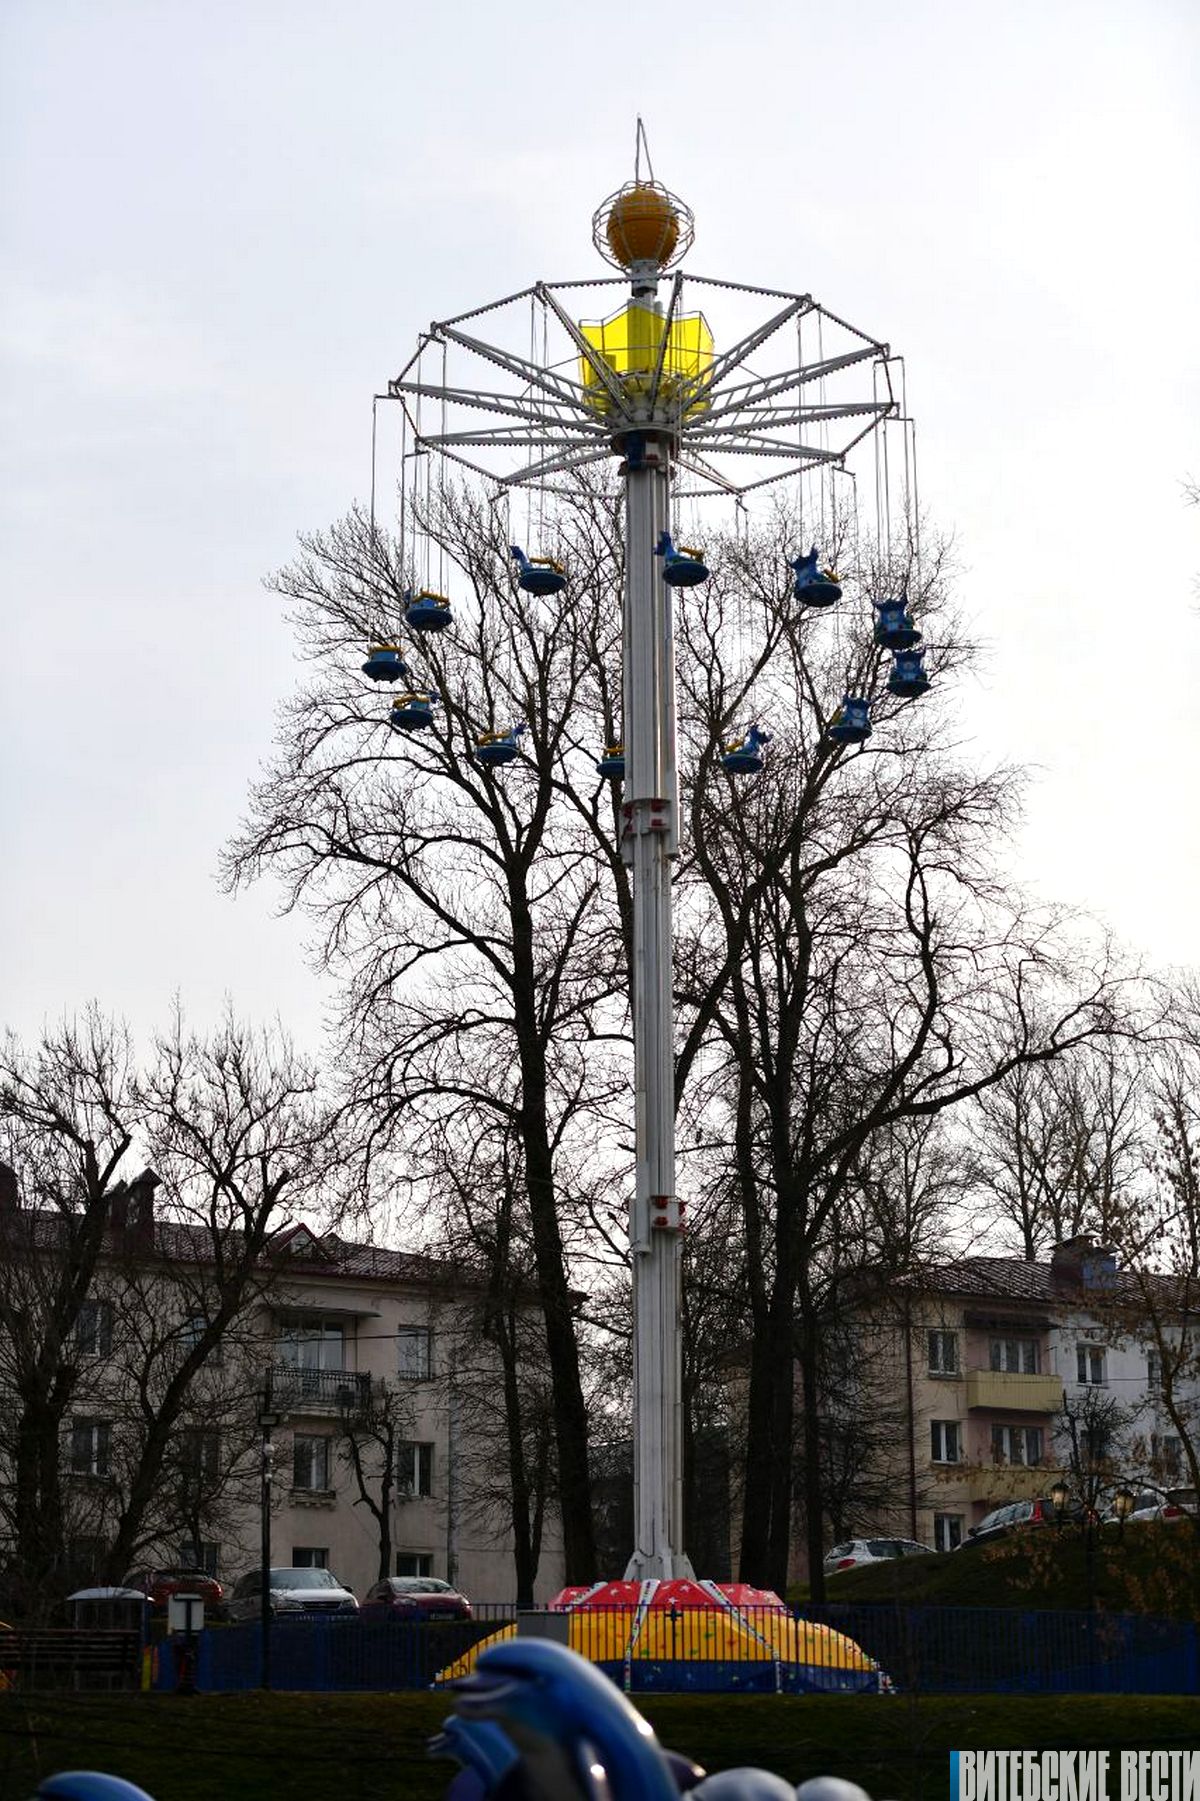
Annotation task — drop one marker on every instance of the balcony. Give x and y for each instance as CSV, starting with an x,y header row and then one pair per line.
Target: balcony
x,y
1004,1391
296,1390
998,1483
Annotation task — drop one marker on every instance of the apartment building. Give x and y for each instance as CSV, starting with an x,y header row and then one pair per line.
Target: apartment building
x,y
980,1355
356,1378
348,1325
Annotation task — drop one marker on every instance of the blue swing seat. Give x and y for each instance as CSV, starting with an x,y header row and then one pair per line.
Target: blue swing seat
x,y
412,712
427,612
814,587
682,568
908,678
851,724
745,755
612,763
538,575
385,664
494,748
894,628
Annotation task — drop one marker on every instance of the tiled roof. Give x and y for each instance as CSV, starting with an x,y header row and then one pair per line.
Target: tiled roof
x,y
1014,1279
296,1248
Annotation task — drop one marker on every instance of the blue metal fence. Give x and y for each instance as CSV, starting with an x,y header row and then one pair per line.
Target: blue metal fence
x,y
929,1650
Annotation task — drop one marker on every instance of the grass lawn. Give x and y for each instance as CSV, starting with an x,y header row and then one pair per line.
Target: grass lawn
x,y
371,1747
1153,1567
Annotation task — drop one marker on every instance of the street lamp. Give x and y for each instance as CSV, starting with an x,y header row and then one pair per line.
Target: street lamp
x,y
268,1419
1058,1496
1122,1504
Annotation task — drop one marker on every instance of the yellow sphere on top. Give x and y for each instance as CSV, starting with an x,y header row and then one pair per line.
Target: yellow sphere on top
x,y
643,225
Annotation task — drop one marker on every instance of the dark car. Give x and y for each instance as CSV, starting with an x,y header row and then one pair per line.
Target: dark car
x,y
1017,1514
159,1585
414,1598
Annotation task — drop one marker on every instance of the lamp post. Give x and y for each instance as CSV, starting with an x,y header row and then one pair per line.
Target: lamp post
x,y
268,1419
1122,1507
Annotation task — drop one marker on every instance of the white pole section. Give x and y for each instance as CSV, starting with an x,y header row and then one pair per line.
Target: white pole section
x,y
650,841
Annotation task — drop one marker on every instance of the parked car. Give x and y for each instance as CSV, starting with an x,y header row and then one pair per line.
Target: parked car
x,y
159,1585
856,1551
292,1591
1161,1504
1003,1520
414,1598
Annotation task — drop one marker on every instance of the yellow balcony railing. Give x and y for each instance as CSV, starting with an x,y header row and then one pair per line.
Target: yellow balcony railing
x,y
1007,1392
995,1484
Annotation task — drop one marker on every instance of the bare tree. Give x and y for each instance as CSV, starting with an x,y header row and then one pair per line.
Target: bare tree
x,y
370,1447
472,913
121,1301
855,962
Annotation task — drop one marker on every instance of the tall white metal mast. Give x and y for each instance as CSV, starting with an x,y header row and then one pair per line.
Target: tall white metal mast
x,y
649,844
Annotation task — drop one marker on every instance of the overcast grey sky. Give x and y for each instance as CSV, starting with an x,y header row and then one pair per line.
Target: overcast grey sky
x,y
222,226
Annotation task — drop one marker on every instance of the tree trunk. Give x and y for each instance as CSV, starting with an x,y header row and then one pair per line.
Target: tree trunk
x,y
562,1350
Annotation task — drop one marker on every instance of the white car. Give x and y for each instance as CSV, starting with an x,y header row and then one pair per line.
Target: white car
x,y
1169,1504
292,1591
872,1550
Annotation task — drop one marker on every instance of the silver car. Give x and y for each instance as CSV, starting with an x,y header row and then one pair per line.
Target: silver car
x,y
292,1591
857,1551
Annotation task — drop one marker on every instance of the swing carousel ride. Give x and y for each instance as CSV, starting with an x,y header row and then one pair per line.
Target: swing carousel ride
x,y
708,393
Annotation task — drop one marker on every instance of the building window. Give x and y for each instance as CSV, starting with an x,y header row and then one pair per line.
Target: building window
x,y
1089,1364
87,1554
414,1469
943,1353
1167,1452
310,1462
190,1334
414,1563
414,1361
945,1441
1097,1441
1154,1379
310,1557
200,1452
307,1341
947,1531
203,1557
93,1329
1017,1444
1015,1356
90,1445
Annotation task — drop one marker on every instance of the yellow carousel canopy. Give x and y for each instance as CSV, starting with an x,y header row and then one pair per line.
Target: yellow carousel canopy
x,y
630,342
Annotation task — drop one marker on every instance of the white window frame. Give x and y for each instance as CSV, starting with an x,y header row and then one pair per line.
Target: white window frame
x,y
205,1556
414,1469
94,1328
1019,1445
310,1557
948,1531
310,1341
414,1353
939,1343
945,1436
414,1563
1154,1373
1166,1448
1088,1359
91,1446
1016,1356
200,1452
304,1446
